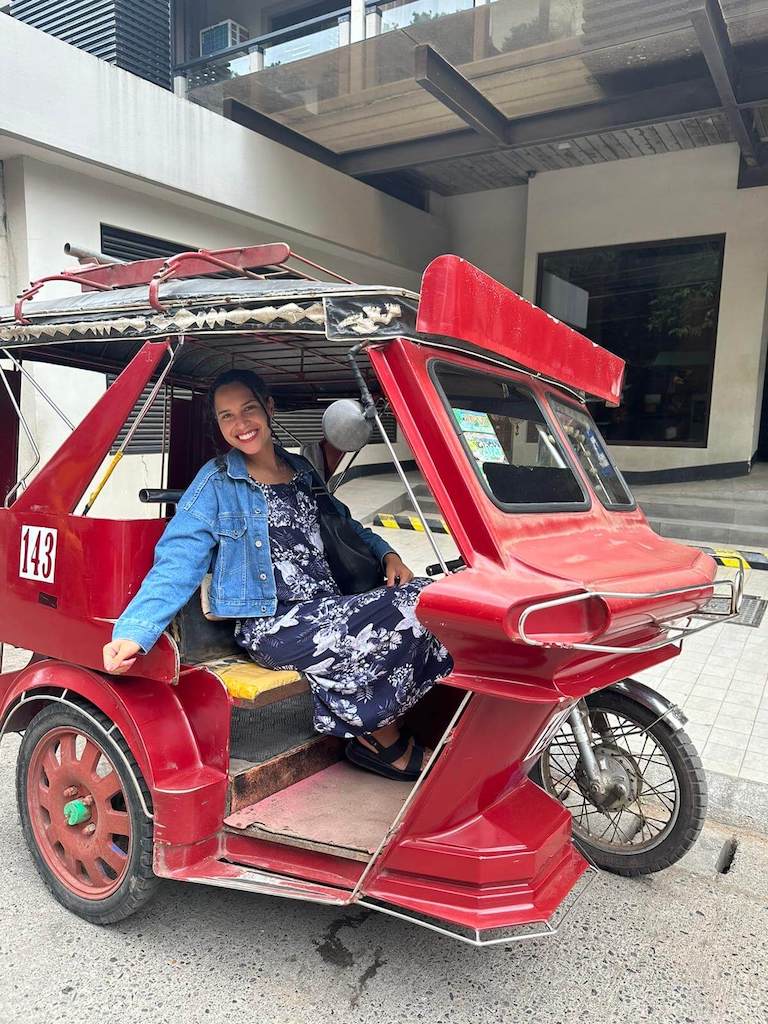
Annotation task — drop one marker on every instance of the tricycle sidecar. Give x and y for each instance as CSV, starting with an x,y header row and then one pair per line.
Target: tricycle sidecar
x,y
202,766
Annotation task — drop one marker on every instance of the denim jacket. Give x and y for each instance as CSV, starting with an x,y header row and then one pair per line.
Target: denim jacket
x,y
220,526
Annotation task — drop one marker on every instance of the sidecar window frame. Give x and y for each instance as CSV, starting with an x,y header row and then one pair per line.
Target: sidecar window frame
x,y
554,399
532,508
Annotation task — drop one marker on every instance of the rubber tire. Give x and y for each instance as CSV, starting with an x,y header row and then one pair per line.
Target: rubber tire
x,y
140,882
691,779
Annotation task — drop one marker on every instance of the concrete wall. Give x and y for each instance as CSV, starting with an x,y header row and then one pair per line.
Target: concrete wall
x,y
84,143
674,196
76,111
488,229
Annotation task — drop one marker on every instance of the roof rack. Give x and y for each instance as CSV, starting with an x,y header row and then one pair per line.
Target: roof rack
x,y
255,261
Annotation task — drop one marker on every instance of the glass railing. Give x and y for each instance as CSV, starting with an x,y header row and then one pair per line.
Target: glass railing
x,y
305,45
295,43
526,56
418,12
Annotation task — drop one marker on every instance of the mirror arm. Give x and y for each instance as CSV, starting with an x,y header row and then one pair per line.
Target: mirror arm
x,y
365,394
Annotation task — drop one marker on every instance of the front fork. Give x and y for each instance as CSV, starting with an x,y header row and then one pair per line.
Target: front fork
x,y
595,766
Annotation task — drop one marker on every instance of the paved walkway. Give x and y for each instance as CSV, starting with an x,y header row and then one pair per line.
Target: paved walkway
x,y
719,680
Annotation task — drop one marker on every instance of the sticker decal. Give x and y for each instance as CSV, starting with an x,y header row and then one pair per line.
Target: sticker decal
x,y
37,560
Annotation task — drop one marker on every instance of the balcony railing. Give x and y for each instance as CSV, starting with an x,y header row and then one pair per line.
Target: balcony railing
x,y
311,37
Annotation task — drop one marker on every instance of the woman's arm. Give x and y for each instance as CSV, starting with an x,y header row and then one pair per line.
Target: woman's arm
x,y
182,557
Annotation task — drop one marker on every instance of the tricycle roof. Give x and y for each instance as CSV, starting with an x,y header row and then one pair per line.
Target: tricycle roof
x,y
295,332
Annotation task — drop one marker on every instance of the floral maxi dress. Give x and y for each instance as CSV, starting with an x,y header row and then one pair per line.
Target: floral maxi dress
x,y
366,656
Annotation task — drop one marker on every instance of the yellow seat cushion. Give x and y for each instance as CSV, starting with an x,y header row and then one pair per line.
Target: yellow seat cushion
x,y
247,681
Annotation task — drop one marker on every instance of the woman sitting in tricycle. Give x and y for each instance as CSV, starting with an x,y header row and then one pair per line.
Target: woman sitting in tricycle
x,y
366,656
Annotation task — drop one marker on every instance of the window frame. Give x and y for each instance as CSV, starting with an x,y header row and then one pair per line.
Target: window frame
x,y
532,508
719,237
551,396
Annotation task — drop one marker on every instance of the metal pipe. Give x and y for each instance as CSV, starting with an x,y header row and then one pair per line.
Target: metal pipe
x,y
129,436
372,414
84,255
586,753
38,388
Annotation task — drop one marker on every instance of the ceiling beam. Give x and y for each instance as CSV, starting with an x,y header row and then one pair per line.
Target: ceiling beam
x,y
441,79
697,97
712,34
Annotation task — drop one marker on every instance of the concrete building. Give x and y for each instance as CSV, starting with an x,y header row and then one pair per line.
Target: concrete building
x,y
605,160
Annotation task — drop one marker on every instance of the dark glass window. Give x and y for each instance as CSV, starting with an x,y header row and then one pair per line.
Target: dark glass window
x,y
508,440
655,305
584,437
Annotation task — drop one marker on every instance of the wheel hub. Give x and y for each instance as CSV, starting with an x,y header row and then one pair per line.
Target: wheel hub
x,y
78,814
620,776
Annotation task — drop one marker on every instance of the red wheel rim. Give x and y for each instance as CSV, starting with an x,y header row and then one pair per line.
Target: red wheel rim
x,y
90,859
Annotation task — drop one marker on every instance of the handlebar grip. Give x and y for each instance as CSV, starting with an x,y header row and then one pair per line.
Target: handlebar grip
x,y
154,495
453,565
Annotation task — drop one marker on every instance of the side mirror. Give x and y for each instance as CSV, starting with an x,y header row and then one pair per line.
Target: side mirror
x,y
346,426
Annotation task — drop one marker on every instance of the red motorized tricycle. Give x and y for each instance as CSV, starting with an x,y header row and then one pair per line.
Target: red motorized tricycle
x,y
202,766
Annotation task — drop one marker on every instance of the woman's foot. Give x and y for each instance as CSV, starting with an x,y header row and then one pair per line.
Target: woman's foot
x,y
389,752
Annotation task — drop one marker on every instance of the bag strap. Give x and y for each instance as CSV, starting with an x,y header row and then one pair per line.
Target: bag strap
x,y
320,493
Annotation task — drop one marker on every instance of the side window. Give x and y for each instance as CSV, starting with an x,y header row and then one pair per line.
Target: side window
x,y
508,440
590,450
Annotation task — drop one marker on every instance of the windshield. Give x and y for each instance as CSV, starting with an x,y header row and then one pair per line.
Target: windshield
x,y
590,450
508,440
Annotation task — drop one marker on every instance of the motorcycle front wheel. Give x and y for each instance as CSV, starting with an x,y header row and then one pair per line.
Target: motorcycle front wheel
x,y
656,802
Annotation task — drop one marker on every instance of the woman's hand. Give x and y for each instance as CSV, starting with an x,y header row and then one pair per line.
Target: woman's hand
x,y
396,571
119,656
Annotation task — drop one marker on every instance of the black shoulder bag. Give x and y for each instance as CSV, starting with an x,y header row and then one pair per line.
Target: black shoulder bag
x,y
353,565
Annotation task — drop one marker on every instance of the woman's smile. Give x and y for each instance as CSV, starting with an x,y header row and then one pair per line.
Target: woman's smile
x,y
242,418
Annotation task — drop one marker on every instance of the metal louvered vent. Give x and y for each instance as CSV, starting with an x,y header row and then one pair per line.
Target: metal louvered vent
x,y
305,425
148,439
133,34
131,245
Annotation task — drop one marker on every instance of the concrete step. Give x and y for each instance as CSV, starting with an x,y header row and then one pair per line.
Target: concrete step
x,y
735,513
722,534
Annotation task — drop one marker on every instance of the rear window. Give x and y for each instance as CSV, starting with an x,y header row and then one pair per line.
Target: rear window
x,y
589,448
509,441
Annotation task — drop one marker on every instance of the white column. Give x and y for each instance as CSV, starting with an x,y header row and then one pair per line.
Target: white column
x,y
373,23
357,22
344,30
180,86
256,59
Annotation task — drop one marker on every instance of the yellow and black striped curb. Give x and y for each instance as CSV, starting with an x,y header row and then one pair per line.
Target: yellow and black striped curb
x,y
407,521
727,557
738,559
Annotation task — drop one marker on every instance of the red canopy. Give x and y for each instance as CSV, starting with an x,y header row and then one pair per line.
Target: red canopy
x,y
462,302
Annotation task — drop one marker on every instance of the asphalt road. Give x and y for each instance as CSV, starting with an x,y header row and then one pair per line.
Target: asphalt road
x,y
689,945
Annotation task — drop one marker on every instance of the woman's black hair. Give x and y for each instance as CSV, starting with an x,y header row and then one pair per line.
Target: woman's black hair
x,y
255,384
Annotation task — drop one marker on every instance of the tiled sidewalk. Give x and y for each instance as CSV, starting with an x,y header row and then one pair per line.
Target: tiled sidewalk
x,y
720,680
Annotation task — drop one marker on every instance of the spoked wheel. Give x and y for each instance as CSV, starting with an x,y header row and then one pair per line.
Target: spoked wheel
x,y
81,815
654,805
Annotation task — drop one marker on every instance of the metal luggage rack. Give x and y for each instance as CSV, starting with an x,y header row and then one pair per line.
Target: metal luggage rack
x,y
674,633
258,262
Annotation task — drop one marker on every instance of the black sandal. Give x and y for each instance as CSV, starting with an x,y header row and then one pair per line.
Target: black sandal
x,y
383,759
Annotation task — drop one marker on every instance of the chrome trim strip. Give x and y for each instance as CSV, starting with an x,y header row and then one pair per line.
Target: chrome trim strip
x,y
270,885
680,632
548,929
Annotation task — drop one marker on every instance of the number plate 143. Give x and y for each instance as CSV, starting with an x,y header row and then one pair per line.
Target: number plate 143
x,y
38,553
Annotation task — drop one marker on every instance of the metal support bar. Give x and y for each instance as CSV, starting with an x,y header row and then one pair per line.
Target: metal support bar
x,y
712,34
21,481
41,391
440,78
